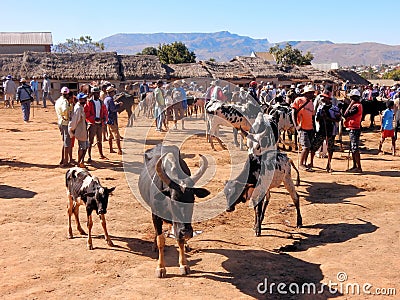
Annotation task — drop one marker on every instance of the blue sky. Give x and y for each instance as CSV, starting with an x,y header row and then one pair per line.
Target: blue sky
x,y
338,21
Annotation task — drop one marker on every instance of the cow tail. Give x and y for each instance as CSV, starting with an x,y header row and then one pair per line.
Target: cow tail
x,y
297,171
67,176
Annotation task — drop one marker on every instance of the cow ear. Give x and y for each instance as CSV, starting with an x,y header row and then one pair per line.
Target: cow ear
x,y
201,193
110,190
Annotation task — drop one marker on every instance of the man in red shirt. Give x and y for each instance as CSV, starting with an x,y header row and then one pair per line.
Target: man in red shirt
x,y
353,115
302,115
96,118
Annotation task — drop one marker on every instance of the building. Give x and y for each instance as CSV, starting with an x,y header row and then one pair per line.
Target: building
x,y
326,67
20,42
266,56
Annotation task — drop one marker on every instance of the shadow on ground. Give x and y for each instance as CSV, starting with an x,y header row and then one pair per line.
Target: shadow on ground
x,y
11,192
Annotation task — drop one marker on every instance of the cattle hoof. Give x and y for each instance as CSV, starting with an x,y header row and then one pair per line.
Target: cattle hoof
x,y
161,273
110,243
90,247
230,209
185,270
258,231
70,236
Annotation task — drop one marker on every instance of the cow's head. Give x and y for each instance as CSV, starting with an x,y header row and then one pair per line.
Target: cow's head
x,y
97,199
180,193
101,197
236,192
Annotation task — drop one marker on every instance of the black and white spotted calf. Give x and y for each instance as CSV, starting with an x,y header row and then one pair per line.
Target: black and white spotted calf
x,y
259,175
85,189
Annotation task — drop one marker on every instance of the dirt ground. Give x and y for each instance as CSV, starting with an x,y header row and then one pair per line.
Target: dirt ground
x,y
350,234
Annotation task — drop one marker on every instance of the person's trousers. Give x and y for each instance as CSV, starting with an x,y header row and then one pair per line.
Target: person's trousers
x,y
26,109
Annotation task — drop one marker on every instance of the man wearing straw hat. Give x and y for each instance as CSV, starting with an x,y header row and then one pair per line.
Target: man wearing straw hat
x,y
302,115
24,95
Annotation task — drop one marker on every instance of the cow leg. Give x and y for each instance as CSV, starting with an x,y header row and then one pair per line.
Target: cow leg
x,y
78,223
89,239
160,240
266,202
235,136
183,266
257,223
220,142
160,270
104,225
288,183
69,211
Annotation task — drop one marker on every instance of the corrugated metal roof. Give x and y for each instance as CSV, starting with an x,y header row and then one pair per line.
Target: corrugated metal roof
x,y
26,38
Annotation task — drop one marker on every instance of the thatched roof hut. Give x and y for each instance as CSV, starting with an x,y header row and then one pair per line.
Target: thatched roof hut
x,y
80,66
190,70
316,75
351,76
10,64
136,67
231,71
258,67
87,66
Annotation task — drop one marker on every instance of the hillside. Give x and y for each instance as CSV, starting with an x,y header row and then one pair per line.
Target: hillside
x,y
224,45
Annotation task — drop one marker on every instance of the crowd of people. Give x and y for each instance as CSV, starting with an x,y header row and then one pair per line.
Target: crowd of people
x,y
85,117
316,112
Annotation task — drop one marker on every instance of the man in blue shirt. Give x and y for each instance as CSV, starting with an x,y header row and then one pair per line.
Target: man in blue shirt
x,y
143,89
35,89
387,126
112,121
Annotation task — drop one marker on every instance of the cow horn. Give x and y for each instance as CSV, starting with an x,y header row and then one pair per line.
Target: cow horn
x,y
200,172
161,173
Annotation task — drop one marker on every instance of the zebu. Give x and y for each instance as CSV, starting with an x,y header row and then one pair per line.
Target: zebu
x,y
168,188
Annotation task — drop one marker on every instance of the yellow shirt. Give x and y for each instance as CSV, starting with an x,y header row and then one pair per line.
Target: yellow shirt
x,y
63,110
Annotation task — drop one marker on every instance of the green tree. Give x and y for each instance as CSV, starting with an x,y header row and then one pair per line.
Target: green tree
x,y
84,44
175,53
291,56
395,75
149,51
369,74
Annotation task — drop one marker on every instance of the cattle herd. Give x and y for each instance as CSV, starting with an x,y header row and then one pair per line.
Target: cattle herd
x,y
166,183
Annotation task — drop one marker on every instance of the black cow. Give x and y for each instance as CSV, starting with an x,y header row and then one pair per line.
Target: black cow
x,y
127,104
82,188
373,108
168,188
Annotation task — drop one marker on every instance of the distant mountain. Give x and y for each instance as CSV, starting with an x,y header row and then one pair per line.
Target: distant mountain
x,y
223,46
